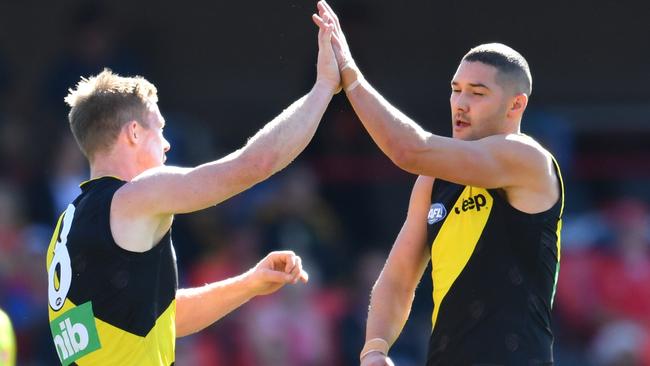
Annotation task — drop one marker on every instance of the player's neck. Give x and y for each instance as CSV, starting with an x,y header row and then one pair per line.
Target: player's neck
x,y
115,166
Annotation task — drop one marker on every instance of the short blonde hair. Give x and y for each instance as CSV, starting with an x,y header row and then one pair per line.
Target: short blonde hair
x,y
102,104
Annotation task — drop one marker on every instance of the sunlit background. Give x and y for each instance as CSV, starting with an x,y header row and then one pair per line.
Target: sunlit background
x,y
225,68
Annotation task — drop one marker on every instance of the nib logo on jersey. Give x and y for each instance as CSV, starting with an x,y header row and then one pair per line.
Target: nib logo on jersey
x,y
75,334
476,202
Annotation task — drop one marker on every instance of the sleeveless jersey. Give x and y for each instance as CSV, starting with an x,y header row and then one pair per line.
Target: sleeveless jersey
x,y
494,271
107,305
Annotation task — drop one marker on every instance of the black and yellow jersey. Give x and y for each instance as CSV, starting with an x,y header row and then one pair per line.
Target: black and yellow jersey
x,y
494,271
107,305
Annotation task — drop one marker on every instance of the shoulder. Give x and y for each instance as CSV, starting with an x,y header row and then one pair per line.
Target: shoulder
x,y
147,186
537,187
516,143
520,152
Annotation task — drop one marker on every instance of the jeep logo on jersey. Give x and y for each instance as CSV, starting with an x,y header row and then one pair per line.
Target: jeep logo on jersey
x,y
472,203
437,212
75,334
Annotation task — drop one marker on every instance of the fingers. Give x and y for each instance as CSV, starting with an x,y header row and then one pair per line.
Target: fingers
x,y
295,271
288,264
270,275
294,268
321,8
329,9
325,29
326,9
336,42
327,17
318,21
304,276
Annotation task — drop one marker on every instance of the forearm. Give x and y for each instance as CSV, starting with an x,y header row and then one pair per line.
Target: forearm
x,y
197,308
390,305
281,140
394,132
269,150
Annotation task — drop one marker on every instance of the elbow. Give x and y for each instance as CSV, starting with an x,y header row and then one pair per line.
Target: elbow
x,y
404,156
260,166
267,165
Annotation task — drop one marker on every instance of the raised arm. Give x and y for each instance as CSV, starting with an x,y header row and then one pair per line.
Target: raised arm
x,y
392,295
496,161
169,190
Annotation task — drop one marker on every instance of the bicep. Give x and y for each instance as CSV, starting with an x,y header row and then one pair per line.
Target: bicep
x,y
497,161
173,190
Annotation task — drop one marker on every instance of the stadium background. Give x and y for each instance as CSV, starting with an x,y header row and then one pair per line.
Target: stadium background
x,y
223,69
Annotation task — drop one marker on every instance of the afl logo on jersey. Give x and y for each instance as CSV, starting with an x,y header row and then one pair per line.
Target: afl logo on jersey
x,y
437,212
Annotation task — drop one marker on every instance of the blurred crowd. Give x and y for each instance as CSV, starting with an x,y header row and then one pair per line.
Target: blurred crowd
x,y
339,207
603,294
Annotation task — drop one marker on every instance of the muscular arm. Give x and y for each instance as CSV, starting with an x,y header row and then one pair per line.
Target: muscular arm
x,y
501,161
392,295
142,209
170,190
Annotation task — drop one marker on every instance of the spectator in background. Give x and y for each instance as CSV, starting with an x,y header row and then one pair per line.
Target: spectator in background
x,y
298,216
604,296
292,213
20,269
307,336
621,281
224,253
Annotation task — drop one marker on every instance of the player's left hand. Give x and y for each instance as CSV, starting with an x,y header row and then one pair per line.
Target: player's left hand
x,y
326,19
274,271
327,68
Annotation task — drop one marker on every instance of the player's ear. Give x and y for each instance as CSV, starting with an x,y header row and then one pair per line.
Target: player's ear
x,y
518,104
133,132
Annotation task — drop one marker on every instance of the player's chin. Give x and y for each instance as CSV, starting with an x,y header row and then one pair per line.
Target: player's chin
x,y
464,134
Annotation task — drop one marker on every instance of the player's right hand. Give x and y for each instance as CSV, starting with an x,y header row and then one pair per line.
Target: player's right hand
x,y
327,17
376,359
274,271
327,67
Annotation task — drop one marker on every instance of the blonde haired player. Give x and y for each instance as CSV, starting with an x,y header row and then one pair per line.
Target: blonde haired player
x,y
112,281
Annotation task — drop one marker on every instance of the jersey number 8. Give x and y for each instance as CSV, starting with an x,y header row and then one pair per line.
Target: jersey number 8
x,y
59,280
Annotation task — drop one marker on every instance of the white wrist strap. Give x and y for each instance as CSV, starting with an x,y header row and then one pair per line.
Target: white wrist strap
x,y
346,65
374,345
353,85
